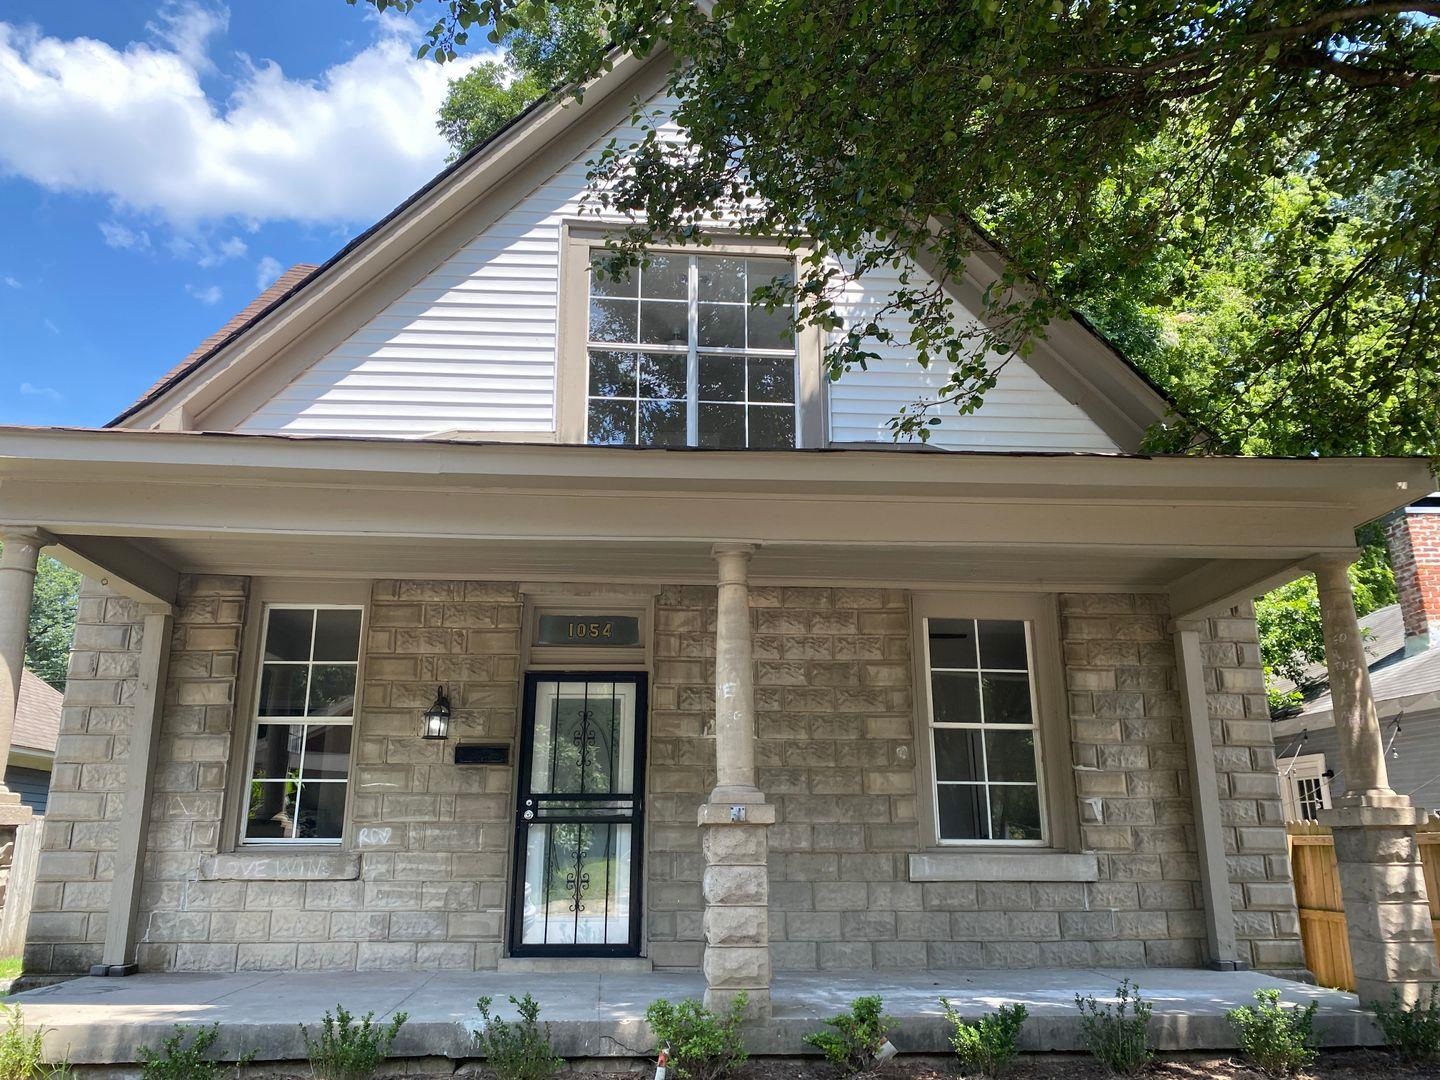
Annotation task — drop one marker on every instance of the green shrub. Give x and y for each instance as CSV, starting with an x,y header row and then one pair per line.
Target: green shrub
x,y
179,1059
1413,1030
347,1049
702,1044
21,1057
987,1046
1278,1040
518,1051
855,1037
1117,1035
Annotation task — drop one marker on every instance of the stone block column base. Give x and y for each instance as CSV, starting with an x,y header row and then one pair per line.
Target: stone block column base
x,y
737,896
1387,913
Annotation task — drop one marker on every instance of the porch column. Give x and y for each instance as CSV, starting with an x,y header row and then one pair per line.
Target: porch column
x,y
1387,913
1224,950
118,955
18,559
733,821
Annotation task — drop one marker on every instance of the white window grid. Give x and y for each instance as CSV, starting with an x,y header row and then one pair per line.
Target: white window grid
x,y
303,721
692,353
983,726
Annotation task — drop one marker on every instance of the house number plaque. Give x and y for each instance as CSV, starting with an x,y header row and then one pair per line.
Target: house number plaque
x,y
602,631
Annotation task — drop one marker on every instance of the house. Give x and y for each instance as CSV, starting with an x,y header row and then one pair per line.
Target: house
x,y
32,743
1404,675
456,610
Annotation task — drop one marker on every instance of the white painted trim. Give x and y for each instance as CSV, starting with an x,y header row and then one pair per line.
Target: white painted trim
x,y
1004,866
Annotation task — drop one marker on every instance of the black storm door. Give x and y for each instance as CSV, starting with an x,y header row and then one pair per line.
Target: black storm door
x,y
579,816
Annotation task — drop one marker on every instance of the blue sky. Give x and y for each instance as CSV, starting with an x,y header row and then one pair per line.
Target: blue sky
x,y
162,160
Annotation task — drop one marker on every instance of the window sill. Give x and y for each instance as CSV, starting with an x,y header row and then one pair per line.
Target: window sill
x,y
1004,866
281,866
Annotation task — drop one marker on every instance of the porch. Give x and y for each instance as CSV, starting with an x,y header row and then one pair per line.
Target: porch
x,y
785,597
102,1021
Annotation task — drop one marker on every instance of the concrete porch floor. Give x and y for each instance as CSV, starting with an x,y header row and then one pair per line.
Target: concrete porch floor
x,y
102,1021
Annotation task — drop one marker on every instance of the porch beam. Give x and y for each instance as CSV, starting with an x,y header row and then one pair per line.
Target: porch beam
x,y
19,557
118,954
1382,883
1220,584
733,821
238,508
122,565
1221,940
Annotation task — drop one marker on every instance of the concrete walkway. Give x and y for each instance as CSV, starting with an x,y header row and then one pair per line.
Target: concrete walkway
x,y
102,1021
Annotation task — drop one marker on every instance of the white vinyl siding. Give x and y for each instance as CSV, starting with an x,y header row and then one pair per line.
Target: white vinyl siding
x,y
473,346
1022,412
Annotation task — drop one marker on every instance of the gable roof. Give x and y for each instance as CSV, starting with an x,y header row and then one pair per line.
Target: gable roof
x,y
274,297
1398,683
1098,378
280,288
1394,677
37,714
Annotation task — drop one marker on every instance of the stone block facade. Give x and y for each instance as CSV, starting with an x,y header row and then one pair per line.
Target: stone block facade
x,y
1267,922
423,883
72,889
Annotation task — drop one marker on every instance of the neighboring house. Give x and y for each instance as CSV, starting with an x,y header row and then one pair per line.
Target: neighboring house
x,y
722,683
1404,649
32,745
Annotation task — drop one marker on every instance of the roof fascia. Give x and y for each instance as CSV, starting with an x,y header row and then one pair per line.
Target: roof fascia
x,y
1368,487
375,255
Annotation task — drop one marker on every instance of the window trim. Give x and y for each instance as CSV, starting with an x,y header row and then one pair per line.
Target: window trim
x,y
264,595
577,241
1302,767
1055,780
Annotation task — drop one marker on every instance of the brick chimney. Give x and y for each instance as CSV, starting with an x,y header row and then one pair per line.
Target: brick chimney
x,y
1413,537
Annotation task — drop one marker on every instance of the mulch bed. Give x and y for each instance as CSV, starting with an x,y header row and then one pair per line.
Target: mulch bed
x,y
1344,1065
1335,1065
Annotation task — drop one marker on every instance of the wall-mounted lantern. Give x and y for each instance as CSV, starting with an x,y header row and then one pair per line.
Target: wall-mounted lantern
x,y
436,723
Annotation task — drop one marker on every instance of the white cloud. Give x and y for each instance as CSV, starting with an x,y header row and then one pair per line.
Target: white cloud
x,y
209,294
47,392
266,271
233,248
12,282
135,125
51,327
122,236
188,28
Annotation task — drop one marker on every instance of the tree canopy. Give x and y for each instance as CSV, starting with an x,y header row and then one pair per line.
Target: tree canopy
x,y
1244,196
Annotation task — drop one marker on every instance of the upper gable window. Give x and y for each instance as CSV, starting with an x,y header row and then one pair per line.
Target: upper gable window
x,y
677,355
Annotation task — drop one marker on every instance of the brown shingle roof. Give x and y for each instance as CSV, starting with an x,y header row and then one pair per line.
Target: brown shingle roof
x,y
281,285
37,715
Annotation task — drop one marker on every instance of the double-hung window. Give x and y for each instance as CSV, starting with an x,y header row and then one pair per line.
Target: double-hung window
x,y
304,716
1305,786
984,731
678,355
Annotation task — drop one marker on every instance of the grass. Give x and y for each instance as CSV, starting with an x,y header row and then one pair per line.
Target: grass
x,y
9,970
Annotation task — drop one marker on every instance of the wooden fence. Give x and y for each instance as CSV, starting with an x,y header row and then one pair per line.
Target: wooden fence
x,y
1322,912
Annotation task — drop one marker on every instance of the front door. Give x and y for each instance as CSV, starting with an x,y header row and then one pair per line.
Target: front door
x,y
579,816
